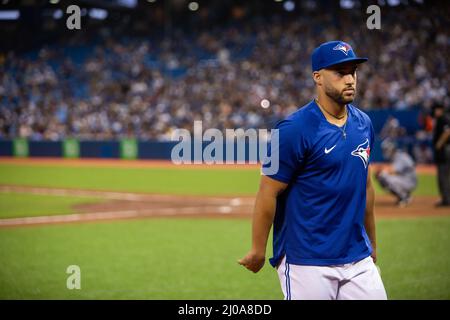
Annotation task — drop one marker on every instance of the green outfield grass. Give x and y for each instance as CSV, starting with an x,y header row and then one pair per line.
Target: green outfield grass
x,y
413,257
180,258
159,180
195,259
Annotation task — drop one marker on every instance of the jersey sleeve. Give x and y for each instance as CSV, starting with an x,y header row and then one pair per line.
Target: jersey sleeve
x,y
289,151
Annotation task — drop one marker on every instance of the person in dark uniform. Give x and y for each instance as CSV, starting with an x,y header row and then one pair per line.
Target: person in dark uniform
x,y
441,147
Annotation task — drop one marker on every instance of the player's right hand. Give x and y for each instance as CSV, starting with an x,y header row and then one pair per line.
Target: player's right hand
x,y
253,261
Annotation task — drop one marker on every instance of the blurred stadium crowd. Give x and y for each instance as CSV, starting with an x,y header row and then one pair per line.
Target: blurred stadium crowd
x,y
245,74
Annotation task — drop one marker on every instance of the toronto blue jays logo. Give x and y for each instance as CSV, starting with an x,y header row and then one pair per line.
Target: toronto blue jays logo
x,y
343,47
363,152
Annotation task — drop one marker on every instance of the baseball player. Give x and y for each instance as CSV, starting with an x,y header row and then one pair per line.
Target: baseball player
x,y
320,201
441,146
400,177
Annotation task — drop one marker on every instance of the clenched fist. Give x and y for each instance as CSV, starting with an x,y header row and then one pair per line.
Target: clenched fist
x,y
253,261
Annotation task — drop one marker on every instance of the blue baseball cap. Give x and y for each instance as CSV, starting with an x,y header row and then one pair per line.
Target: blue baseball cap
x,y
331,53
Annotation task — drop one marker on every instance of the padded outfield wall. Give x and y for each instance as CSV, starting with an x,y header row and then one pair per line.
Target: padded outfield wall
x,y
411,120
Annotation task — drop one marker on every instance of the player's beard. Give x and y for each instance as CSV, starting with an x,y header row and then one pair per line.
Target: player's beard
x,y
339,96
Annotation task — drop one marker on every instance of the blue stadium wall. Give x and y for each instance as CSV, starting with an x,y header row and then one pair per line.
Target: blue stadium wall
x,y
111,149
162,150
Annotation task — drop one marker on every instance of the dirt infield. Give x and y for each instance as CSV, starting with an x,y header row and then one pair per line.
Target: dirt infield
x,y
123,205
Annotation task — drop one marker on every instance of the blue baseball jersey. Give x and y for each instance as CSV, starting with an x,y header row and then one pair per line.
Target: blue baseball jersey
x,y
319,218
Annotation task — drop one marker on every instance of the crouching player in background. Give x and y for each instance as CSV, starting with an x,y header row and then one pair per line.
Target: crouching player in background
x,y
399,178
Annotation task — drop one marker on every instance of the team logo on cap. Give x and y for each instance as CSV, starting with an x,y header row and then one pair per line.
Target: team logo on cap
x,y
343,47
363,152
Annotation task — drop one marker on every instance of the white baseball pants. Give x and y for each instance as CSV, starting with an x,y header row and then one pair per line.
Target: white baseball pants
x,y
353,281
